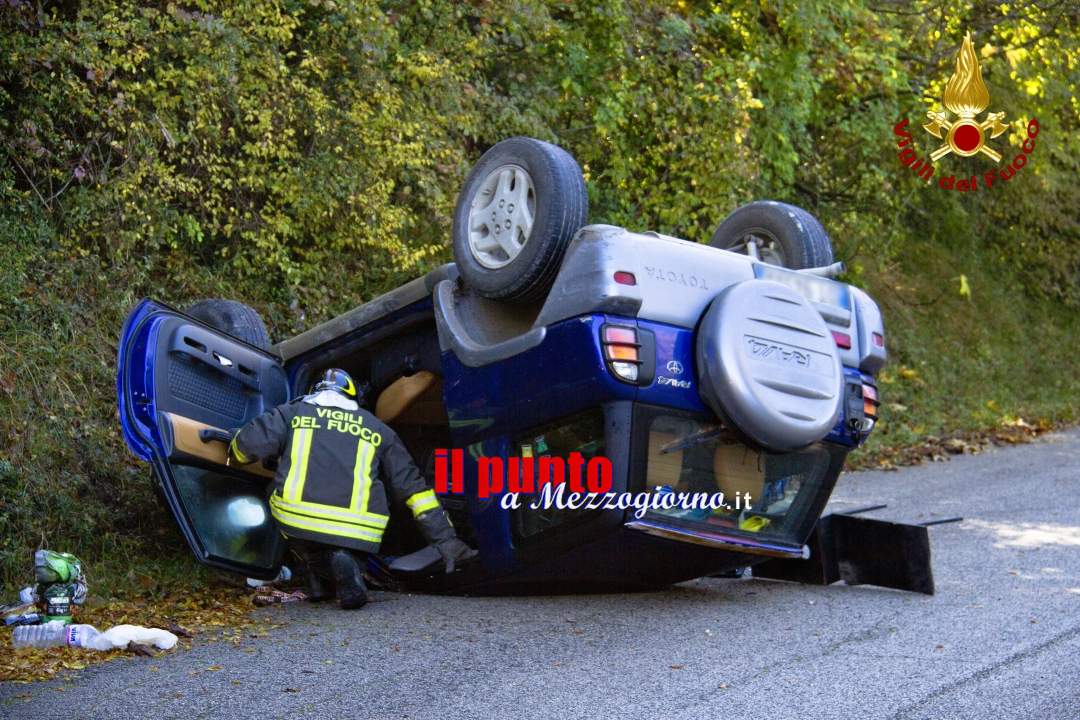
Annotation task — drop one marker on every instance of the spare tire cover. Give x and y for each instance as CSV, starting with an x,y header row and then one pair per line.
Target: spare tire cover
x,y
767,364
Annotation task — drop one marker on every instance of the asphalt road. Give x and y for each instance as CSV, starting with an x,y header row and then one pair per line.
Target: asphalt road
x,y
1001,639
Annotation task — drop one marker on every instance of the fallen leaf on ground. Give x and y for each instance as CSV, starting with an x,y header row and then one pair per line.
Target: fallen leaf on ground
x,y
189,610
1010,431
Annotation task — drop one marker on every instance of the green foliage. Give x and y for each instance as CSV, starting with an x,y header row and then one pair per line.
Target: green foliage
x,y
304,155
283,138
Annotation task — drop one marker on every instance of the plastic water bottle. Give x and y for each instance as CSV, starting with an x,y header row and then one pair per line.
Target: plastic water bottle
x,y
50,634
56,634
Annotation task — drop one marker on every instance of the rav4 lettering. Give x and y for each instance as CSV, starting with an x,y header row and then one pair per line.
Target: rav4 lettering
x,y
679,278
768,349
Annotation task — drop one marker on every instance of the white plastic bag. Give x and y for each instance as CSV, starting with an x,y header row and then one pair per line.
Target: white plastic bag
x,y
121,635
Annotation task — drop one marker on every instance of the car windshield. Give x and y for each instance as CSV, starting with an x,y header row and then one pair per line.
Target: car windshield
x,y
765,494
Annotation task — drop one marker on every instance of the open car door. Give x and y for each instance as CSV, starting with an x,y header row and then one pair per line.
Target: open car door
x,y
176,379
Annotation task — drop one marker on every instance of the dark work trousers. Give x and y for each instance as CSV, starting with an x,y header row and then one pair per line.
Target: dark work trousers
x,y
316,559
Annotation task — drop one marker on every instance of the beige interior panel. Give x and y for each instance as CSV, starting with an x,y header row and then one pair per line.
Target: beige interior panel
x,y
735,467
415,399
664,468
185,432
738,468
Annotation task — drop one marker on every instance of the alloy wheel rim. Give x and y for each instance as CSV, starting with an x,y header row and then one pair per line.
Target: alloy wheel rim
x,y
501,216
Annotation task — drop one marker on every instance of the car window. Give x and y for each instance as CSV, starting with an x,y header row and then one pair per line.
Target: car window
x,y
229,514
583,434
690,456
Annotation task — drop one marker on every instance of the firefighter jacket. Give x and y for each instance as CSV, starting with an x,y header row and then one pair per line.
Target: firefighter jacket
x,y
338,470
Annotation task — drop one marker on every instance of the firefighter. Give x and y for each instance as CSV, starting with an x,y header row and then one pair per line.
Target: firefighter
x,y
339,467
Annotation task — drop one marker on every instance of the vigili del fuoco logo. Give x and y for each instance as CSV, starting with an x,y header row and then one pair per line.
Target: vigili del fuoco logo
x,y
964,134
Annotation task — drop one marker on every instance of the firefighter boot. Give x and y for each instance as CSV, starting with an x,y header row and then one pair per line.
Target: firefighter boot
x,y
315,559
349,578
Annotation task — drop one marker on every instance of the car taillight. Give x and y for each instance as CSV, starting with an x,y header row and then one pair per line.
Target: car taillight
x,y
870,401
620,334
627,353
879,339
625,278
622,351
627,371
843,340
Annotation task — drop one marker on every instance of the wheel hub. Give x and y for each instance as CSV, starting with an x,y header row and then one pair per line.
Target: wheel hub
x,y
501,216
761,245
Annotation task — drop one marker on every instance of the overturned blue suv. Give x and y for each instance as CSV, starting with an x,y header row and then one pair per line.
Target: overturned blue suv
x,y
737,366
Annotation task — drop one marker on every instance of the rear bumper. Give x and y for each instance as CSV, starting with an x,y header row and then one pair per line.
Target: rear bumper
x,y
718,540
618,560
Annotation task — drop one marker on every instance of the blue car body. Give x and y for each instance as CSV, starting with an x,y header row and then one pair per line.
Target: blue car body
x,y
545,382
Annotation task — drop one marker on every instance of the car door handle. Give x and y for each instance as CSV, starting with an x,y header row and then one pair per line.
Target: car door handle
x,y
208,435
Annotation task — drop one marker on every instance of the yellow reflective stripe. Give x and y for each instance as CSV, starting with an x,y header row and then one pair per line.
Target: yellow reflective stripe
x,y
365,453
368,460
306,453
422,501
327,527
365,518
305,513
235,450
294,464
331,513
301,447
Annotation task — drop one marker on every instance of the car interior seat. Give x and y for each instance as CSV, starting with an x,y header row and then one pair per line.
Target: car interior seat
x,y
413,399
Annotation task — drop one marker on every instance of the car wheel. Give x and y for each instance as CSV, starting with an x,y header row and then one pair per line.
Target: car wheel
x,y
235,318
777,234
515,216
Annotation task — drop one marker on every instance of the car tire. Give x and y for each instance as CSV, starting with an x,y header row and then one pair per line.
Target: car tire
x,y
516,214
784,235
235,318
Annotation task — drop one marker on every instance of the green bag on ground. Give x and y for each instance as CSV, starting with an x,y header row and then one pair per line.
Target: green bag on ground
x,y
61,584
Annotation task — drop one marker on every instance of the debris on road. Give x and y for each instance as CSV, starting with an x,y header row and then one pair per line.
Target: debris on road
x,y
1009,431
59,587
213,613
58,634
267,595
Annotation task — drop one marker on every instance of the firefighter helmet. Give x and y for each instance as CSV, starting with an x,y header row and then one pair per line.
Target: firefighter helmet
x,y
337,380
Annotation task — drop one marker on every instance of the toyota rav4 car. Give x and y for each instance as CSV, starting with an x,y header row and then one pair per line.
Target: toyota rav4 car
x,y
736,366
